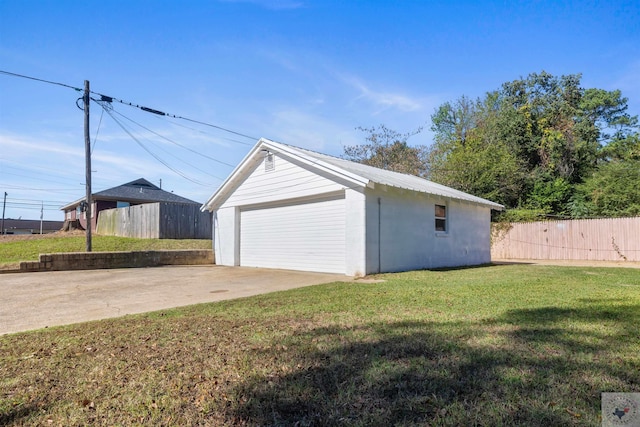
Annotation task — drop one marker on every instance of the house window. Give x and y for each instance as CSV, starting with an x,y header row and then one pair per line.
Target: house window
x,y
441,218
120,204
269,162
68,214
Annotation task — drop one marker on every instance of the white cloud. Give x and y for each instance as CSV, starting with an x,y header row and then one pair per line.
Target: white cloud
x,y
382,100
23,147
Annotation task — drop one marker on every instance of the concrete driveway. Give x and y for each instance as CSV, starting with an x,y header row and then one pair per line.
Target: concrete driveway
x,y
37,300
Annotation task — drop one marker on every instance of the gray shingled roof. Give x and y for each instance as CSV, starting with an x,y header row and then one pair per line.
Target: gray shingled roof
x,y
138,191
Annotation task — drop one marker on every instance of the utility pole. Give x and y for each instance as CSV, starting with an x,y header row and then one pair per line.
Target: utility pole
x,y
3,206
41,215
87,156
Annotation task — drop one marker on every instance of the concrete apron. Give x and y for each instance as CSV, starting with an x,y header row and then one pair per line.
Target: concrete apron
x,y
39,300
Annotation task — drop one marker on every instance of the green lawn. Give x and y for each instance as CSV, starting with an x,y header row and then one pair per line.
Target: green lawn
x,y
494,346
14,251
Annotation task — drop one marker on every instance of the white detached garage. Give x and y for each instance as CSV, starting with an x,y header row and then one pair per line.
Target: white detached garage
x,y
291,208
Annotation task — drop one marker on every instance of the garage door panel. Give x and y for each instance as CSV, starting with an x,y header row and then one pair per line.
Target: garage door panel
x,y
308,236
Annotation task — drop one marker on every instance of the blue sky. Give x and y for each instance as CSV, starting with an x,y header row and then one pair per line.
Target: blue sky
x,y
302,72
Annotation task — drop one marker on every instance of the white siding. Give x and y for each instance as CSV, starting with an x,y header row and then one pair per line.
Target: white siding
x,y
401,232
286,181
306,236
300,217
355,201
225,236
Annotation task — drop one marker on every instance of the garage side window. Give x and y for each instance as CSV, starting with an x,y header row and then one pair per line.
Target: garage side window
x,y
441,218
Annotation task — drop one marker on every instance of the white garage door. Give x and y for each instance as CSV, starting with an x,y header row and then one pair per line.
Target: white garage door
x,y
306,236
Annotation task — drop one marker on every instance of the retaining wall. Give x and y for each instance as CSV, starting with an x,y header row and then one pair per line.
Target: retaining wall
x,y
103,260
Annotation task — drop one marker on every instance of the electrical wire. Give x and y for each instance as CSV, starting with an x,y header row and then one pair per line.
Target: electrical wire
x,y
35,200
95,138
159,159
110,99
107,98
111,111
172,141
3,164
175,123
51,190
41,80
34,178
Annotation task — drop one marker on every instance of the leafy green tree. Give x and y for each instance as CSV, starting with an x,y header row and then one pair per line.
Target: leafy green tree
x,y
626,147
612,190
540,145
388,149
468,154
547,133
551,196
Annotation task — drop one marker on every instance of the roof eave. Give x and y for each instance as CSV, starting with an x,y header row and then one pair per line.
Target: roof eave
x,y
227,186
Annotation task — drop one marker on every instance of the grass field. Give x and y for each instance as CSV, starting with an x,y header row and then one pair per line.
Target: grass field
x,y
14,249
494,346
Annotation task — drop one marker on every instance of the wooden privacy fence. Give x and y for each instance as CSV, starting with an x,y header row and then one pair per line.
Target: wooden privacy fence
x,y
156,221
609,239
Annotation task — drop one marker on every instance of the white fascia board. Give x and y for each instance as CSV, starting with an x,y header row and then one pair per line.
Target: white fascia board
x,y
243,168
317,163
228,185
74,204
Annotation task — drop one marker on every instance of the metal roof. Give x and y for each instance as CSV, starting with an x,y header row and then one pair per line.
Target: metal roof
x,y
398,180
357,172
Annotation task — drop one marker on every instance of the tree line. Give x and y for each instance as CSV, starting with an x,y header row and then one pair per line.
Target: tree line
x,y
542,146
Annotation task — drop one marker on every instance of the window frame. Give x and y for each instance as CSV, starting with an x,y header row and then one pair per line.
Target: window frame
x,y
443,220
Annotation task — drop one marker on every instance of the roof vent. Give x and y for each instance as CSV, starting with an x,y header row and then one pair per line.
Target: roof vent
x,y
269,162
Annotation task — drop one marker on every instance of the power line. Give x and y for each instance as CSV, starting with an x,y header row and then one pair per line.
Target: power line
x,y
95,138
152,153
33,178
52,190
40,80
110,111
171,141
34,200
109,99
3,164
55,205
174,123
106,98
33,207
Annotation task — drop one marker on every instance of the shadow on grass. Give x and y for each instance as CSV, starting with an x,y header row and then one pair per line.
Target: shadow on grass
x,y
18,412
531,367
463,267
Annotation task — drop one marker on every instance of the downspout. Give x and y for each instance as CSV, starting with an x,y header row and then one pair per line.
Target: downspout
x,y
379,238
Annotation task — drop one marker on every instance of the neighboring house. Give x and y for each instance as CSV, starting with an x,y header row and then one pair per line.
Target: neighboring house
x,y
291,208
132,193
30,226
